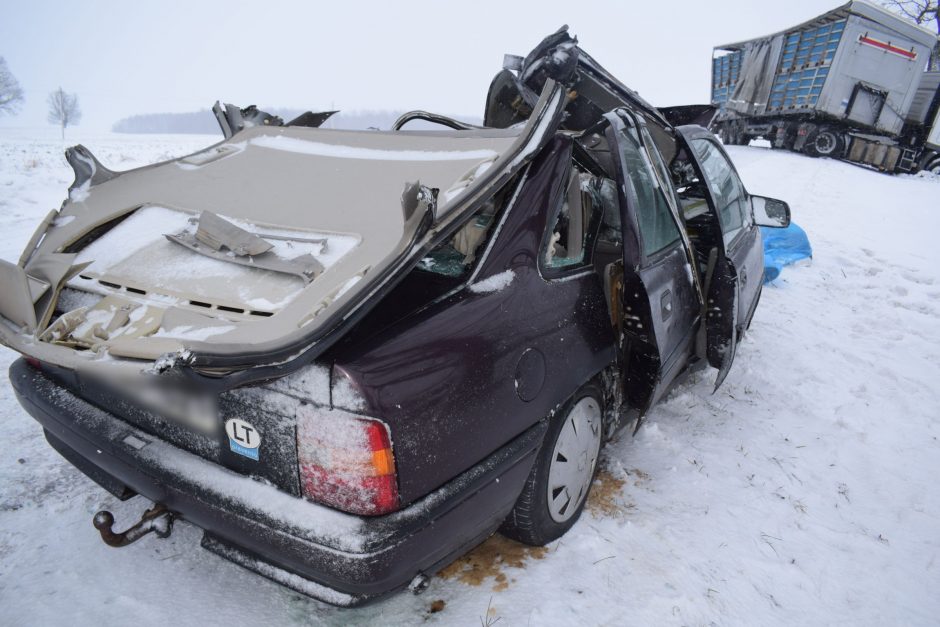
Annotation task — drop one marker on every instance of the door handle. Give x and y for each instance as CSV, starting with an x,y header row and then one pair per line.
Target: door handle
x,y
665,304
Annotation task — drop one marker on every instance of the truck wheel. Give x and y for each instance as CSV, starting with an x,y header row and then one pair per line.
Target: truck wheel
x,y
825,143
736,135
558,484
724,134
934,166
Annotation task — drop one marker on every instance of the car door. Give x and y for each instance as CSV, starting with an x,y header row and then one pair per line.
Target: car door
x,y
735,269
661,301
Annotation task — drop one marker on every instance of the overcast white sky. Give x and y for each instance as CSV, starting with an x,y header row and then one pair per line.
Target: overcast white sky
x,y
138,56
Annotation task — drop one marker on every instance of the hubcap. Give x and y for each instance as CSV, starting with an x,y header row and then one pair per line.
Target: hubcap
x,y
574,459
825,143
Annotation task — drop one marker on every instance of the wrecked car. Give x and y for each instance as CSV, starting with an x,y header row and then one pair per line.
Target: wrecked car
x,y
351,356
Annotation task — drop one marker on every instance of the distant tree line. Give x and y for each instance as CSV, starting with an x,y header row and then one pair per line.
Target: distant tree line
x,y
193,122
204,122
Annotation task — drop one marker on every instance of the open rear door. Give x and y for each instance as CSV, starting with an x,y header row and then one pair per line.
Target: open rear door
x,y
661,298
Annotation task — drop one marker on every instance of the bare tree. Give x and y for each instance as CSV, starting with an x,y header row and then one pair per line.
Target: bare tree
x,y
10,93
922,12
63,109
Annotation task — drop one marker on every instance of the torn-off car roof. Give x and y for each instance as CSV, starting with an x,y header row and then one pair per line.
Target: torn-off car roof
x,y
351,209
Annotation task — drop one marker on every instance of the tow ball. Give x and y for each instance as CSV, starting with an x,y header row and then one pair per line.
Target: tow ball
x,y
158,519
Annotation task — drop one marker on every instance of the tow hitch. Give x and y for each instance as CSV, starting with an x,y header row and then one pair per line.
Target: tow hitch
x,y
157,519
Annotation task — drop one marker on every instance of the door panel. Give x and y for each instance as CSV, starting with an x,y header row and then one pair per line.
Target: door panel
x,y
747,255
673,306
662,311
736,266
721,314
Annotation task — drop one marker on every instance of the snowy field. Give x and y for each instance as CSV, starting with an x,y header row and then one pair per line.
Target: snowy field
x,y
805,491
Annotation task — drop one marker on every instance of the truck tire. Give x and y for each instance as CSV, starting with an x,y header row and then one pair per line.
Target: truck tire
x,y
788,139
825,142
933,166
724,134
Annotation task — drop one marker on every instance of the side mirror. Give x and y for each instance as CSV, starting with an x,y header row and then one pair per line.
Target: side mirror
x,y
770,212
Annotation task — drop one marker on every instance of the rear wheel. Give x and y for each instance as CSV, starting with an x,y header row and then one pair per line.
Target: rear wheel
x,y
558,484
825,143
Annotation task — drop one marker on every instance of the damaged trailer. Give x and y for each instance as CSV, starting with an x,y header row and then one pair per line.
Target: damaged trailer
x,y
850,84
351,356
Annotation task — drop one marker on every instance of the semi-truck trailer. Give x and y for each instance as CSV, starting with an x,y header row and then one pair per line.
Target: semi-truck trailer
x,y
849,84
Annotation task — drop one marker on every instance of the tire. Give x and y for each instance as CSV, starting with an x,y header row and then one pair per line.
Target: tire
x,y
724,134
735,135
825,143
934,166
558,484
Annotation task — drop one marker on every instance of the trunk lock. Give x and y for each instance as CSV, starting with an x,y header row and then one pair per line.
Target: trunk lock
x,y
158,519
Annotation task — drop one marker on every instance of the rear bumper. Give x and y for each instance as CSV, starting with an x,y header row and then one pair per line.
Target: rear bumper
x,y
335,557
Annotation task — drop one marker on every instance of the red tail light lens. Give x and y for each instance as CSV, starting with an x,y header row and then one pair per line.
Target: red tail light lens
x,y
346,462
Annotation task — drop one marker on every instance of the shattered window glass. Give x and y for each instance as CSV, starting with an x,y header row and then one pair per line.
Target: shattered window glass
x,y
455,256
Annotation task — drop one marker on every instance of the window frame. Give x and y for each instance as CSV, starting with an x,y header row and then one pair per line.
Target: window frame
x,y
654,257
591,230
747,216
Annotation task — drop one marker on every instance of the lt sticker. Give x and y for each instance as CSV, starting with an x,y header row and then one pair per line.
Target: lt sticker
x,y
243,438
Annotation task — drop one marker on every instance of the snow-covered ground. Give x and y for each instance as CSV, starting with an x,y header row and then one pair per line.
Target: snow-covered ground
x,y
805,491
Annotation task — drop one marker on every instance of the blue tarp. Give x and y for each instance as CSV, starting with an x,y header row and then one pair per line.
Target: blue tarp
x,y
783,247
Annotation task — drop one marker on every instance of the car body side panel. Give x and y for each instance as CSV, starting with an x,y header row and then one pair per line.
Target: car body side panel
x,y
445,378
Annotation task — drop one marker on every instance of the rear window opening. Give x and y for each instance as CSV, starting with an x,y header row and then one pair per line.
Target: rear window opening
x,y
456,256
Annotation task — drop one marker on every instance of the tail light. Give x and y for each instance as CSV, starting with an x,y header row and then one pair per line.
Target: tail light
x,y
346,461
